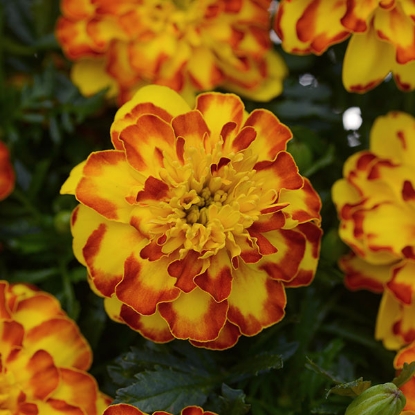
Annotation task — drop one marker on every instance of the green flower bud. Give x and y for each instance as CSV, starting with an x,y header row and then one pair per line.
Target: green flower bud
x,y
384,399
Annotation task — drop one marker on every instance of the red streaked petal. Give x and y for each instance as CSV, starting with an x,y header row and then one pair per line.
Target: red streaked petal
x,y
146,284
79,389
402,282
4,309
36,372
228,337
272,136
145,143
152,327
283,265
217,279
11,337
219,109
123,409
108,182
195,316
61,338
263,307
192,127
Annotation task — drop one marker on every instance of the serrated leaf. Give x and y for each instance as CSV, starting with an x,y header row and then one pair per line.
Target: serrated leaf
x,y
260,363
317,369
406,374
166,390
233,401
352,389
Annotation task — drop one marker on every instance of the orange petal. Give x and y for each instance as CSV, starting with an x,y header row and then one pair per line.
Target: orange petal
x,y
308,265
7,177
217,110
122,409
94,244
79,389
358,13
228,337
272,135
146,284
11,337
192,127
396,27
303,25
36,372
108,184
195,316
152,327
283,265
360,274
402,282
146,142
61,338
263,307
217,279
77,9
4,308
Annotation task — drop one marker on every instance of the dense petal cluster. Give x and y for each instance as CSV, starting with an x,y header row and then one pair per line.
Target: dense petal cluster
x,y
43,357
6,172
382,37
197,220
187,45
126,409
376,206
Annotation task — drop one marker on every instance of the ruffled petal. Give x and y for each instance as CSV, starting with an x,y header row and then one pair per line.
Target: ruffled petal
x,y
195,316
61,338
79,389
367,61
402,282
303,25
403,75
122,409
227,338
263,307
94,238
360,274
146,284
109,185
272,136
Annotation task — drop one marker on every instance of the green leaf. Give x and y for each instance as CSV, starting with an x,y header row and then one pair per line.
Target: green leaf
x,y
255,365
352,389
166,390
232,401
406,374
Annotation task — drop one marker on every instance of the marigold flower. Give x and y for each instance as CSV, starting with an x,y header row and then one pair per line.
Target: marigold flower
x,y
187,45
43,357
376,206
407,355
126,409
197,220
6,172
382,37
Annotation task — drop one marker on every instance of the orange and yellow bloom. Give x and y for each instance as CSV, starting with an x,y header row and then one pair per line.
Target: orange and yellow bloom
x,y
7,177
126,409
187,45
43,357
376,205
382,37
197,220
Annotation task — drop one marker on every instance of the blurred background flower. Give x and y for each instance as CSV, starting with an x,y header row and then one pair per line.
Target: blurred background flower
x,y
196,222
187,45
376,205
126,409
382,37
6,172
43,357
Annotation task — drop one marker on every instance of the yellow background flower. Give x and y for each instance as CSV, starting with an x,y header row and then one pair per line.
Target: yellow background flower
x,y
187,45
196,222
6,172
382,41
376,206
43,357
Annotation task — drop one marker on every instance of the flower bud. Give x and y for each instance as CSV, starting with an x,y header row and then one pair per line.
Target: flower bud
x,y
384,399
